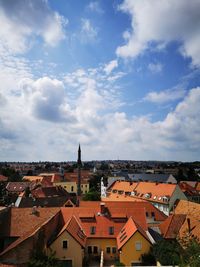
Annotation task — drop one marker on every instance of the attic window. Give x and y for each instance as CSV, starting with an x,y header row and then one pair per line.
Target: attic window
x,y
65,244
92,230
111,230
152,214
114,191
147,214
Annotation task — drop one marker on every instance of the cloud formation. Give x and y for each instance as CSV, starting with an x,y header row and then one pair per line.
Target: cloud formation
x,y
165,96
33,18
157,23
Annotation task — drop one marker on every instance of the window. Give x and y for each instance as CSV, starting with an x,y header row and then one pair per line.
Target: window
x,y
114,250
65,244
138,245
111,230
153,214
147,214
95,250
92,230
108,250
72,188
89,250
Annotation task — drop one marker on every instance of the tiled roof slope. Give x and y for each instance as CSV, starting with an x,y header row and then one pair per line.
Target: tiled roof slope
x,y
128,231
192,212
171,226
3,178
74,228
159,216
24,219
155,191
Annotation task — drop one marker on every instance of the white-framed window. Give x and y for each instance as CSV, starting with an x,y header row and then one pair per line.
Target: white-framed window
x,y
138,245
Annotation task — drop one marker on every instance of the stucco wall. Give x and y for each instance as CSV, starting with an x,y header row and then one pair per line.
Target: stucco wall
x,y
102,244
128,251
73,252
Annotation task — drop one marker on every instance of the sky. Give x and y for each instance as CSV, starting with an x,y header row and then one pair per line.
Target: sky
x,y
120,77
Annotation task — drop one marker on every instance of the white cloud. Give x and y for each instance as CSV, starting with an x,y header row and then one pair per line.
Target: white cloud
x,y
160,22
88,31
94,6
111,66
23,20
165,96
155,67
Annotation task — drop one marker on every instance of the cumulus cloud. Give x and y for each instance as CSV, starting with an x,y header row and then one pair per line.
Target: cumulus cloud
x,y
160,22
22,20
155,67
47,100
165,96
88,31
111,66
94,6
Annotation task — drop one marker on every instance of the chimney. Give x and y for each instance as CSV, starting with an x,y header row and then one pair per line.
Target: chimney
x,y
102,208
189,225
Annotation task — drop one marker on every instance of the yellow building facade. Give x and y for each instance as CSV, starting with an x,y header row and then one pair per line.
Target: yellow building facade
x,y
94,246
68,250
71,187
133,249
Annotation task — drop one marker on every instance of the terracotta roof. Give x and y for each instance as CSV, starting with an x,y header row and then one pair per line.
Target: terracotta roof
x,y
102,222
51,191
74,229
117,197
192,212
188,189
171,226
198,186
25,228
17,186
32,178
121,206
3,178
128,231
23,220
144,190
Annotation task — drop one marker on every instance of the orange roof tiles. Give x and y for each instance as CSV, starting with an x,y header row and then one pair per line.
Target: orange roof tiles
x,y
155,191
128,231
121,206
74,228
3,178
192,212
171,226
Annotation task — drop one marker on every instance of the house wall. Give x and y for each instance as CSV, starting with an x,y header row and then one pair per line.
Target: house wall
x,y
74,251
102,244
129,254
71,187
177,194
20,254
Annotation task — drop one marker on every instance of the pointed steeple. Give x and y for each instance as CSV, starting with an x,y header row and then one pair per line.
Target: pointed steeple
x,y
79,176
79,155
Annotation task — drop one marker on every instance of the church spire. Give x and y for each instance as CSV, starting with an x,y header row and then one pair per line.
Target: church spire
x,y
79,175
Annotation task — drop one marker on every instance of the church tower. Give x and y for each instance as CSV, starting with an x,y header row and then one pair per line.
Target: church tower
x,y
79,163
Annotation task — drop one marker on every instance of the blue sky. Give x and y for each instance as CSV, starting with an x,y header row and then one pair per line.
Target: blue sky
x,y
120,77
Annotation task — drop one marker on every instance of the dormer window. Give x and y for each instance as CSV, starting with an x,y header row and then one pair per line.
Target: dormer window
x,y
92,230
111,230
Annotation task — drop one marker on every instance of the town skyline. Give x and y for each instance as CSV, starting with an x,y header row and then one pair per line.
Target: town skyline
x,y
119,77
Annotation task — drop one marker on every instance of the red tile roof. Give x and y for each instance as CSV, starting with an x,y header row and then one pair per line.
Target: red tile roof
x,y
75,230
171,226
128,231
144,190
121,206
3,178
188,189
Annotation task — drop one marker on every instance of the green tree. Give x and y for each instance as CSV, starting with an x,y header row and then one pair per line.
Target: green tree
x,y
167,252
92,195
191,252
41,259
